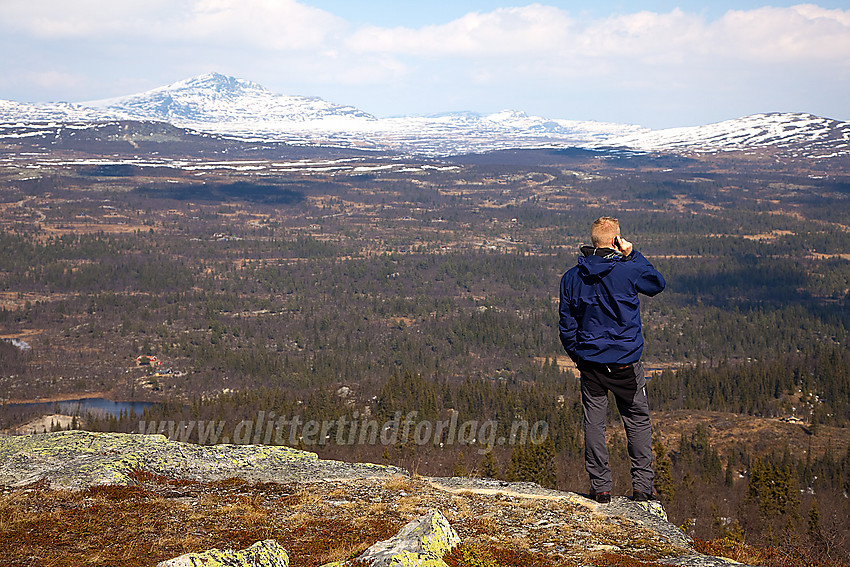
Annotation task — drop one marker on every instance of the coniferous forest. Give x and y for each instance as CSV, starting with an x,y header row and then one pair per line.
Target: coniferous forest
x,y
428,288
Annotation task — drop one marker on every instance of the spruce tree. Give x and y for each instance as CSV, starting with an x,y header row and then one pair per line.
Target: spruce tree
x,y
664,483
459,468
489,466
814,520
514,472
545,471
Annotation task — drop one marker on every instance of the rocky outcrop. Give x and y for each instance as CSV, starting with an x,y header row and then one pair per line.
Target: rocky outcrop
x,y
422,542
649,514
78,459
267,553
295,491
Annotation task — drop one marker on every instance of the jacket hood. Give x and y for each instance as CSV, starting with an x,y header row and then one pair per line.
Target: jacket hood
x,y
597,261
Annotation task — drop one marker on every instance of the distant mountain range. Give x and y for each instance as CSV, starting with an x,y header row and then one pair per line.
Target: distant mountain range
x,y
218,104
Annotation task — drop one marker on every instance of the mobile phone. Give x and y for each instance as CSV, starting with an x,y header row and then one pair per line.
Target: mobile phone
x,y
616,242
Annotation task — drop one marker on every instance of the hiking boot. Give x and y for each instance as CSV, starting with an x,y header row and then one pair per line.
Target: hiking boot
x,y
639,496
601,497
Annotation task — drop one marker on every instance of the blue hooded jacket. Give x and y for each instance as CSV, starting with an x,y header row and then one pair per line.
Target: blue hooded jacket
x,y
600,309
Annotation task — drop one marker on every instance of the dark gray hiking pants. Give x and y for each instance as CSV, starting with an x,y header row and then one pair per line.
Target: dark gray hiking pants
x,y
628,384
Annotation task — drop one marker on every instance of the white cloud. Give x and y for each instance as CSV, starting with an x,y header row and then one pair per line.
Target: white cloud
x,y
533,28
655,38
800,32
62,19
268,24
804,32
265,24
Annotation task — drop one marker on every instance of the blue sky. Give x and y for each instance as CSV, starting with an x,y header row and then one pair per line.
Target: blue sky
x,y
412,14
660,64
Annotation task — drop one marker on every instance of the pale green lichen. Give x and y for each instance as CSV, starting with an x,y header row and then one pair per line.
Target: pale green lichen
x,y
408,559
266,553
421,543
441,538
77,459
654,508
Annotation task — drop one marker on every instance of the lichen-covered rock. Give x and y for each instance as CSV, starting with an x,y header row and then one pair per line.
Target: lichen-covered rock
x,y
655,508
421,543
78,459
267,553
650,514
698,560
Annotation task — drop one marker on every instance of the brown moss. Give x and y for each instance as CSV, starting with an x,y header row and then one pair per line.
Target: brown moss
x,y
320,541
231,482
143,476
118,492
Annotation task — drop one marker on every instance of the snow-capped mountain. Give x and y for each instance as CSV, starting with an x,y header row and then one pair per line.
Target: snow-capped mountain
x,y
217,99
12,112
218,104
228,106
464,132
806,133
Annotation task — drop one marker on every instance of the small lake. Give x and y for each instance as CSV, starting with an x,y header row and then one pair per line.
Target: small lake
x,y
82,406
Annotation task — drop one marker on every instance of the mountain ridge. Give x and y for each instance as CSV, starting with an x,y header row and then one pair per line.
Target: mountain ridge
x,y
224,105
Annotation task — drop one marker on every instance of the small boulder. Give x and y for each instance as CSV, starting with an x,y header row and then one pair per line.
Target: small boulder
x,y
422,543
266,553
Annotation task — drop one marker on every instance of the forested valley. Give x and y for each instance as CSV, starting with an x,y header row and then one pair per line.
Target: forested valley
x,y
431,289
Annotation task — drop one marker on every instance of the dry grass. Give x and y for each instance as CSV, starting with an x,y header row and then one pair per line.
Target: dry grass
x,y
411,506
341,553
399,482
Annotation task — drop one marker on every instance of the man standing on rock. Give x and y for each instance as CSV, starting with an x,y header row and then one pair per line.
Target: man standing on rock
x,y
600,330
